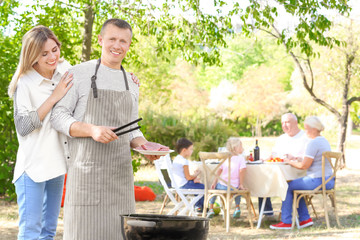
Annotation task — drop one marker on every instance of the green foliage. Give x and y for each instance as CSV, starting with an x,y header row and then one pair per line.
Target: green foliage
x,y
8,147
161,35
136,162
312,23
206,132
355,113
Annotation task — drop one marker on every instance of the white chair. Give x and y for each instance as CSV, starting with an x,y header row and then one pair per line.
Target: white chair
x,y
183,199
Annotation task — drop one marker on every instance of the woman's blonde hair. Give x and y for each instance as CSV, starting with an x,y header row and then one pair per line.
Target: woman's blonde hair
x,y
32,44
232,143
314,122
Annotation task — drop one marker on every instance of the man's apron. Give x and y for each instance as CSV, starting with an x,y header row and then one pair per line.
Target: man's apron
x,y
100,183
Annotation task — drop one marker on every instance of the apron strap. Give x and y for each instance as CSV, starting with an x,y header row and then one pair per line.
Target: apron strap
x,y
94,77
125,78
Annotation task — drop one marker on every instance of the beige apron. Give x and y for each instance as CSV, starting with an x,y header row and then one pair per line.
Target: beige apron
x,y
100,184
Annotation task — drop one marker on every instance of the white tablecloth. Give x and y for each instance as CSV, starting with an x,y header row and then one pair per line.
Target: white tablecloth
x,y
263,180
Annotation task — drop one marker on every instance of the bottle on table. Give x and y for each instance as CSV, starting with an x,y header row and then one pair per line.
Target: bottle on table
x,y
256,151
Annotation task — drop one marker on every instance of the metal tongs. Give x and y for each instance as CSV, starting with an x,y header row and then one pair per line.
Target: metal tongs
x,y
126,125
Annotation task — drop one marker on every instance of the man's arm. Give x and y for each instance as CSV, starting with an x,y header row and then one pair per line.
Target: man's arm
x,y
101,134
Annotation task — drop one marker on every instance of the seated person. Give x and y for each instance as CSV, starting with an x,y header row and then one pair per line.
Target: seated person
x,y
237,174
181,173
311,161
289,145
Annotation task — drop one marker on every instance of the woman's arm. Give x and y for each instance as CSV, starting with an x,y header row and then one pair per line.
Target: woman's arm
x,y
304,164
61,89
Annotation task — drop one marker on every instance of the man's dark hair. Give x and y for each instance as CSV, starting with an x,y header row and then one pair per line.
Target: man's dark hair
x,y
182,143
118,23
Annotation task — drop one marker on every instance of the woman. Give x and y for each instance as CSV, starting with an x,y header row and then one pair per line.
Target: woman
x,y
40,81
312,163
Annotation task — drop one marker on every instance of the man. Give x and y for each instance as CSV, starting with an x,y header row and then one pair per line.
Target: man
x,y
290,145
100,185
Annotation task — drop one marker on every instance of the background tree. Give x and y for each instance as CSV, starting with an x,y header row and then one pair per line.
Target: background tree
x,y
311,30
166,34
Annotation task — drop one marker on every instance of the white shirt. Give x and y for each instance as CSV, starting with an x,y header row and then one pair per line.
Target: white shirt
x,y
291,145
41,153
178,170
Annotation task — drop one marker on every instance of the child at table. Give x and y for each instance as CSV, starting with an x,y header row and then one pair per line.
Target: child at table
x,y
181,172
237,174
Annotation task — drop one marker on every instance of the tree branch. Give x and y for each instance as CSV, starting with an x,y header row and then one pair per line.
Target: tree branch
x,y
267,31
353,99
311,73
305,83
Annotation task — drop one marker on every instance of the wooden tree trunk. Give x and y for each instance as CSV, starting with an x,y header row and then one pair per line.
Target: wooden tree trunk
x,y
343,119
342,137
88,26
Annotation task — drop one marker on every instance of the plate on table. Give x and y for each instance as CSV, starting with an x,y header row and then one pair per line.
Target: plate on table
x,y
276,163
255,162
212,161
151,152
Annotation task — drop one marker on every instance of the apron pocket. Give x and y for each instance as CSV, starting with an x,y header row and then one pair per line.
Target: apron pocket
x,y
83,185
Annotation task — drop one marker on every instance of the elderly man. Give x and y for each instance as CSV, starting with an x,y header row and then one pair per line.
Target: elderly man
x,y
290,145
100,185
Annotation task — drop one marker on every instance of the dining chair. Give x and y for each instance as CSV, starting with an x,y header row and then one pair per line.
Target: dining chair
x,y
334,159
226,196
164,174
183,199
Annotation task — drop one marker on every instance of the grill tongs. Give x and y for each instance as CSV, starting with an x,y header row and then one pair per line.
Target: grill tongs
x,y
126,125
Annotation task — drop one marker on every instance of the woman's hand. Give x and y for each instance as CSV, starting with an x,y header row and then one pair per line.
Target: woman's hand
x,y
63,87
60,90
241,187
135,79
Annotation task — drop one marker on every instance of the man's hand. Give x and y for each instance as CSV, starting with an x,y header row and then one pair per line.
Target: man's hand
x,y
103,134
151,146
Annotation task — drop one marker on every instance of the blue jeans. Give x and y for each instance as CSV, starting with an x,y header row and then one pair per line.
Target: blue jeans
x,y
305,183
223,187
39,207
191,185
268,205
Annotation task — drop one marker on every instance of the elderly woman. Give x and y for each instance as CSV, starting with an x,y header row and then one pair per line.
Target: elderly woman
x,y
312,163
